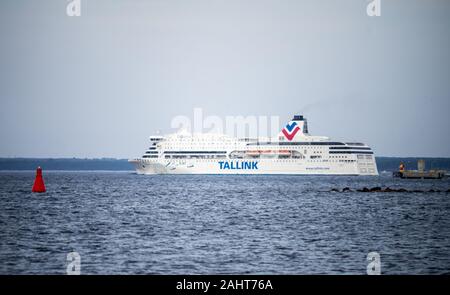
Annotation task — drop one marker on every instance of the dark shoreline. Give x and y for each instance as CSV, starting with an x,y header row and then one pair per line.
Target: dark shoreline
x,y
109,164
65,164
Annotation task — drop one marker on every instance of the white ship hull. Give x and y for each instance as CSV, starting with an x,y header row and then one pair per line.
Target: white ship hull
x,y
263,166
294,151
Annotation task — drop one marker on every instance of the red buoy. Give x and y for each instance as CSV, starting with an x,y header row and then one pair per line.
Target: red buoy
x,y
38,186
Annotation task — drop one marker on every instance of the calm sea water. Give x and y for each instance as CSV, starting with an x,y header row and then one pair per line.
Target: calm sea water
x,y
123,223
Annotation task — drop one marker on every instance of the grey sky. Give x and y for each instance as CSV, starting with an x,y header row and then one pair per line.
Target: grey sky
x,y
98,85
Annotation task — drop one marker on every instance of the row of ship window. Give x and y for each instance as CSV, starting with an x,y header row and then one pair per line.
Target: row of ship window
x,y
275,160
332,150
190,139
233,155
312,158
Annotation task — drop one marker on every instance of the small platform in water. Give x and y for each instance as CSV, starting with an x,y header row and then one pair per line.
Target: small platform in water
x,y
420,173
432,174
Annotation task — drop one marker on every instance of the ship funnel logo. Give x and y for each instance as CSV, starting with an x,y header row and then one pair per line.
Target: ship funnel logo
x,y
291,130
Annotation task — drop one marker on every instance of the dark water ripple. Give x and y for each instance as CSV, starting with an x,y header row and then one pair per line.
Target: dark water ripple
x,y
122,223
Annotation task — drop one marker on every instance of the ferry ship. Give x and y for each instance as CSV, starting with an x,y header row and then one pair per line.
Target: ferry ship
x,y
293,151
